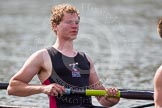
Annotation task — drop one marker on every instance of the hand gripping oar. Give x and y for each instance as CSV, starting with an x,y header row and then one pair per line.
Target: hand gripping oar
x,y
122,93
127,94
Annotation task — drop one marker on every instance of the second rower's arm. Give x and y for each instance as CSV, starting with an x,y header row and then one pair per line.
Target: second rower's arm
x,y
158,88
96,84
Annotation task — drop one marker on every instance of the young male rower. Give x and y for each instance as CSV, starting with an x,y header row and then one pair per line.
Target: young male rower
x,y
158,76
61,66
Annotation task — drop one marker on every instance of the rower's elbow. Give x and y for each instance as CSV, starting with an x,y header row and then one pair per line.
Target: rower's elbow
x,y
16,88
12,88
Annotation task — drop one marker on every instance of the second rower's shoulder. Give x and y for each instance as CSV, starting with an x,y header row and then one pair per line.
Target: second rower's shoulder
x,y
158,74
159,70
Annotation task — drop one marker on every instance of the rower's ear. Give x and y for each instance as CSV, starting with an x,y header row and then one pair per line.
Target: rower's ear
x,y
54,27
159,27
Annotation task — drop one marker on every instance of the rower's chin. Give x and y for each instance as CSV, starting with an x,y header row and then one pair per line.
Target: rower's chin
x,y
73,37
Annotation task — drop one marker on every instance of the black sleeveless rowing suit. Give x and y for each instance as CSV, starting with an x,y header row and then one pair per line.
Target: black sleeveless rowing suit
x,y
70,72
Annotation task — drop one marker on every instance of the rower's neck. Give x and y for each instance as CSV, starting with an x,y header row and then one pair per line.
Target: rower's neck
x,y
65,47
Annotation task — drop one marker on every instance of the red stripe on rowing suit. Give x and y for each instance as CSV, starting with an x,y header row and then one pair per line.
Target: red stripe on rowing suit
x,y
52,99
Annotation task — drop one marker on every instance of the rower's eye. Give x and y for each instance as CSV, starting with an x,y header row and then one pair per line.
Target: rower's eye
x,y
77,22
72,22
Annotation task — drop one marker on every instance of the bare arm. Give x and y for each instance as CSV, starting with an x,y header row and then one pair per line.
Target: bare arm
x,y
158,88
96,84
19,83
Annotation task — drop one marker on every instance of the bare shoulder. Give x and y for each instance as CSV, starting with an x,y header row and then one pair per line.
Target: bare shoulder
x,y
33,65
159,70
45,63
43,58
40,55
158,74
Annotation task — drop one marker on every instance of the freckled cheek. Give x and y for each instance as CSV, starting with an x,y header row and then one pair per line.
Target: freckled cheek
x,y
64,28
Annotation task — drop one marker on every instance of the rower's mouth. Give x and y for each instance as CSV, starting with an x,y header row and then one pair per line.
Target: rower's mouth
x,y
74,31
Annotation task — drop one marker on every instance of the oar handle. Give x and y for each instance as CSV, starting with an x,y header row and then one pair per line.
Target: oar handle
x,y
127,94
88,92
3,85
142,95
100,93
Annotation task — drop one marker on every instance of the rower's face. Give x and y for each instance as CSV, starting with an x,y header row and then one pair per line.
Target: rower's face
x,y
69,26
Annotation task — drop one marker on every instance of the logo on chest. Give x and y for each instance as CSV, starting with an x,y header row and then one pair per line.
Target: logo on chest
x,y
75,72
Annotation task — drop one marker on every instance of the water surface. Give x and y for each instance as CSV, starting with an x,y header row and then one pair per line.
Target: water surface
x,y
119,35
